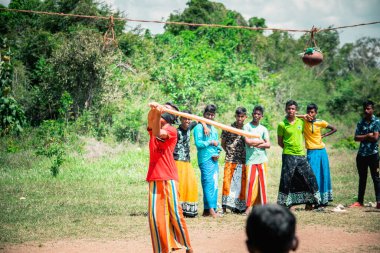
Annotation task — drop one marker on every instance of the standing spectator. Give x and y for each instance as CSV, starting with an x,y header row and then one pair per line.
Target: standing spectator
x,y
233,197
256,160
367,133
298,184
316,151
208,154
188,186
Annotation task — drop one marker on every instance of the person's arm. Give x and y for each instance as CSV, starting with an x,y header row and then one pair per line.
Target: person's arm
x,y
206,130
332,130
304,117
266,139
371,137
198,139
280,141
280,135
223,144
154,121
254,142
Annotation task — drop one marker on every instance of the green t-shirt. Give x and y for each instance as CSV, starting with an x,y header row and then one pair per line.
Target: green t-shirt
x,y
292,136
256,155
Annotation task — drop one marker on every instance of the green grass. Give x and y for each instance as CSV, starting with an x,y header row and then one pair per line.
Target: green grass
x,y
106,196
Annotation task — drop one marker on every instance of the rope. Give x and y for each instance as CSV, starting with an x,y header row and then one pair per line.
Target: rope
x,y
188,24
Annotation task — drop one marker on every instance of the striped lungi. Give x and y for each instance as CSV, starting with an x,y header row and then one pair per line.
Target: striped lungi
x,y
168,228
234,180
256,188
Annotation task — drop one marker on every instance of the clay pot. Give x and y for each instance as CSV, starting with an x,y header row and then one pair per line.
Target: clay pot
x,y
312,59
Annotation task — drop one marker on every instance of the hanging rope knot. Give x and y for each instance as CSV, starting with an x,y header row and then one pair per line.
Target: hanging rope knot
x,y
109,35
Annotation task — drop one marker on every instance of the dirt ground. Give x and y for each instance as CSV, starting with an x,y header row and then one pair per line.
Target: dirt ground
x,y
312,239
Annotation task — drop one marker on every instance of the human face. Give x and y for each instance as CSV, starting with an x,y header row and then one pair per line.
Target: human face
x,y
312,113
291,111
257,116
368,111
240,119
185,122
209,115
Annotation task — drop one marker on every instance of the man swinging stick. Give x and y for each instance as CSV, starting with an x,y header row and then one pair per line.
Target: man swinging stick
x,y
167,225
166,221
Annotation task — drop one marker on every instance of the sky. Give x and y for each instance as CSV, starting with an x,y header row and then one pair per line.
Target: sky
x,y
293,14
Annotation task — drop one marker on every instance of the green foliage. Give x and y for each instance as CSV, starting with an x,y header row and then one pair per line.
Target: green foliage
x,y
12,117
52,143
62,57
128,128
200,12
348,143
52,135
66,105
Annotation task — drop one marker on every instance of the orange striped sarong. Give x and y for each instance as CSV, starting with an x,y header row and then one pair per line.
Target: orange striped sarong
x,y
167,225
234,186
256,188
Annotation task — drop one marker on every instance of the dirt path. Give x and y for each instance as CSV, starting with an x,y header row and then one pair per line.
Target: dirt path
x,y
312,239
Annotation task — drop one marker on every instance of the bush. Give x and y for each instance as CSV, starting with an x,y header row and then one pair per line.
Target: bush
x,y
128,128
347,142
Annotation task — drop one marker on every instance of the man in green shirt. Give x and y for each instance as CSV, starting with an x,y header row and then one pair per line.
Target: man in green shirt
x,y
298,184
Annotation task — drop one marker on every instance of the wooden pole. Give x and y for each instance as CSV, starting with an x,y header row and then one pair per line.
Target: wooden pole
x,y
211,122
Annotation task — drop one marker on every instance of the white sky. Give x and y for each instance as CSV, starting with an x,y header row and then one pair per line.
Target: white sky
x,y
293,14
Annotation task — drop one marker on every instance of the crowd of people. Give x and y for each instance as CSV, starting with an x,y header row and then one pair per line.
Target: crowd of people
x,y
305,176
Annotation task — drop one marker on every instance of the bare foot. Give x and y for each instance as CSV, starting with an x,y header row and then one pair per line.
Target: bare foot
x,y
308,207
189,251
213,213
206,213
248,210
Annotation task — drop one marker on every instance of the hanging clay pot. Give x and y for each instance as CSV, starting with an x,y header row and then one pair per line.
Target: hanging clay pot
x,y
312,57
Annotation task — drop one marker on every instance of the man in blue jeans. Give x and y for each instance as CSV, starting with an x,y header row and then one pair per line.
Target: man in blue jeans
x,y
367,133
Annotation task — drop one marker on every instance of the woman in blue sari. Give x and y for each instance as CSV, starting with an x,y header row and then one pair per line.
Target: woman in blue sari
x,y
208,148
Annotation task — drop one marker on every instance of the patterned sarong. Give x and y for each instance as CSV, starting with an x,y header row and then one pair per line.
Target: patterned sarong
x,y
209,178
298,184
167,225
234,180
319,163
188,188
256,189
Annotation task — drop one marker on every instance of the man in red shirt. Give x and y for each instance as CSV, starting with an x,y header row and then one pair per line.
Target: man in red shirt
x,y
166,221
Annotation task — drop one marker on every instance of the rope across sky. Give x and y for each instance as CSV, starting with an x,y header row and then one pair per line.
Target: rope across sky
x,y
188,24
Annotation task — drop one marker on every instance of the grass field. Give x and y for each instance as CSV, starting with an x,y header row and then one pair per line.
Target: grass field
x,y
101,193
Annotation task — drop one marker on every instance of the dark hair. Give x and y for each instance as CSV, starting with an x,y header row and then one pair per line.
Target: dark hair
x,y
258,108
170,118
289,103
270,228
210,108
311,107
172,105
241,110
368,103
187,111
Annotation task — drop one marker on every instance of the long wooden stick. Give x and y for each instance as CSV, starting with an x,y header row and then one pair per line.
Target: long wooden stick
x,y
211,122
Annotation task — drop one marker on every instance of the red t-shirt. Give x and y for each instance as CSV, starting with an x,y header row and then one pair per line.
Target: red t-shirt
x,y
161,161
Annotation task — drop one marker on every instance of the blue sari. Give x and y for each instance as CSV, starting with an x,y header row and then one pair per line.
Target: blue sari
x,y
319,163
209,178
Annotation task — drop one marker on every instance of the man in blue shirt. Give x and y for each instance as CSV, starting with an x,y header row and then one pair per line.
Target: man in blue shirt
x,y
367,133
